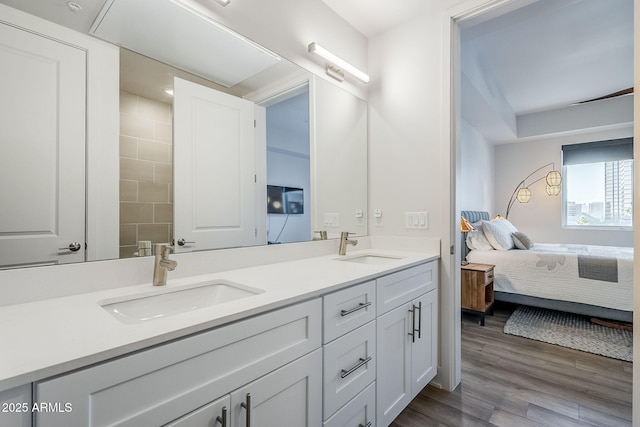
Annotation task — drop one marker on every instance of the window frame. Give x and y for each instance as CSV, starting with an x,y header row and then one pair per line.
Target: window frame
x,y
598,145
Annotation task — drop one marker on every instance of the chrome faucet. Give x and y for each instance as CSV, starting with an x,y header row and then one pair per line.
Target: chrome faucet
x,y
162,263
323,234
344,241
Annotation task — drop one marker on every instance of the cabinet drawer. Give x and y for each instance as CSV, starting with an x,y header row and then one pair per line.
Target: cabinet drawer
x,y
207,415
349,366
360,411
403,286
488,276
348,309
159,385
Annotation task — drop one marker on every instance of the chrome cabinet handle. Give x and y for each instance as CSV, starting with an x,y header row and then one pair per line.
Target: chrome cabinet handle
x,y
360,306
365,425
182,242
412,310
361,363
73,247
247,406
222,419
420,320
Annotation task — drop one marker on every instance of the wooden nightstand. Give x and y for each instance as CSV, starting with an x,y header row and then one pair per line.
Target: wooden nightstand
x,y
477,289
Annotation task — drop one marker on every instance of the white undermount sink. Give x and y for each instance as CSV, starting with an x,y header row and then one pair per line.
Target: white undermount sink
x,y
370,259
152,305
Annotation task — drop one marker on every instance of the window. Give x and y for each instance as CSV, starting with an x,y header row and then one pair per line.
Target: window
x,y
598,184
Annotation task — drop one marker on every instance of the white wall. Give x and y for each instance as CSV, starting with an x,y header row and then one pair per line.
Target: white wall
x,y
288,26
541,218
410,153
339,146
405,167
477,171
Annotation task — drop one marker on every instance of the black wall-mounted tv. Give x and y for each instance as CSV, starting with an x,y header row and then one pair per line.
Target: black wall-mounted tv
x,y
284,200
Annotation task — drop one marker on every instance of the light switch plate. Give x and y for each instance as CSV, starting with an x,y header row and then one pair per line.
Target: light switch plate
x,y
417,220
332,220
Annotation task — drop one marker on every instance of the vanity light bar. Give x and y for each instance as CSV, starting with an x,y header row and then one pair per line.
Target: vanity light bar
x,y
338,62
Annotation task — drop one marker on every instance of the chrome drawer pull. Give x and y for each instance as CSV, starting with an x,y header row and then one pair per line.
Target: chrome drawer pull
x,y
360,364
222,419
247,407
420,320
360,306
366,425
413,323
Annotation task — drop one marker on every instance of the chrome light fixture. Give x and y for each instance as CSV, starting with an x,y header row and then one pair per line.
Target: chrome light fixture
x,y
337,65
522,193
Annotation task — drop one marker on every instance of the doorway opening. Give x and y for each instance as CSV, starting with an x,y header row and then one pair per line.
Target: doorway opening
x,y
288,172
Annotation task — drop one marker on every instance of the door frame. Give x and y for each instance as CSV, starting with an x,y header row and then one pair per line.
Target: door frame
x,y
450,373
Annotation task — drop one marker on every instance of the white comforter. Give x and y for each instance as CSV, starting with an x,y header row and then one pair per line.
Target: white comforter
x,y
554,271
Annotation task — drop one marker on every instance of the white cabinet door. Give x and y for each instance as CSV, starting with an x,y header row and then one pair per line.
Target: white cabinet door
x,y
424,354
42,117
289,396
16,407
407,354
393,381
214,168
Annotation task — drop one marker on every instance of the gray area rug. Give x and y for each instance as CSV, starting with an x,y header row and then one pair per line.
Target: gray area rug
x,y
570,330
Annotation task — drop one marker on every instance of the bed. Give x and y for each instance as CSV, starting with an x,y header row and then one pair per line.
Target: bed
x,y
595,281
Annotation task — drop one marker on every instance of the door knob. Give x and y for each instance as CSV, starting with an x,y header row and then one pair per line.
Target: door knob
x,y
182,242
73,247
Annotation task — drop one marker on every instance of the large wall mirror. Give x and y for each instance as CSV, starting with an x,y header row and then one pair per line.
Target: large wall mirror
x,y
249,149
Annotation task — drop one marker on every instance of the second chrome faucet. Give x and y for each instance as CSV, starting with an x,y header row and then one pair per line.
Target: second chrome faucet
x,y
162,263
344,241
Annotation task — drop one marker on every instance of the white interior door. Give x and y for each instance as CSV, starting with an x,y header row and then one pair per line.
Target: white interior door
x,y
42,135
214,169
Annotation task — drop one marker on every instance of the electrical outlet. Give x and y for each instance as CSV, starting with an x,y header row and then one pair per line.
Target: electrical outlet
x,y
377,217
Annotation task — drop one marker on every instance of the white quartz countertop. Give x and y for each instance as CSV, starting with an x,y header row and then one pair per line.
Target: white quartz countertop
x,y
45,338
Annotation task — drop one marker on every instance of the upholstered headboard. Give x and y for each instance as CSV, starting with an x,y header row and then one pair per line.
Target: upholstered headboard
x,y
472,216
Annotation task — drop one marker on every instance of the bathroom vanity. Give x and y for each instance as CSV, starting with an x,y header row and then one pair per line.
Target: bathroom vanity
x,y
330,340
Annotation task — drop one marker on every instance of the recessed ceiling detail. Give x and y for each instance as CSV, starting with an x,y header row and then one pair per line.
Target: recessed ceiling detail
x,y
170,32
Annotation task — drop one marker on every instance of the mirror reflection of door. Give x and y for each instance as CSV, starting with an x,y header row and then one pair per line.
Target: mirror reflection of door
x,y
214,169
42,175
288,167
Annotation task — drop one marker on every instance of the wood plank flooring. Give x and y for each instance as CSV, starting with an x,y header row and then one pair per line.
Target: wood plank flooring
x,y
510,381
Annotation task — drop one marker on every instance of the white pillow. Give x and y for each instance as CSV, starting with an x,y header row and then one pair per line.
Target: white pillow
x,y
498,232
521,240
476,240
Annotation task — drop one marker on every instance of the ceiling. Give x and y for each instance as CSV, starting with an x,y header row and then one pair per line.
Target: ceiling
x,y
372,17
553,53
523,58
526,56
